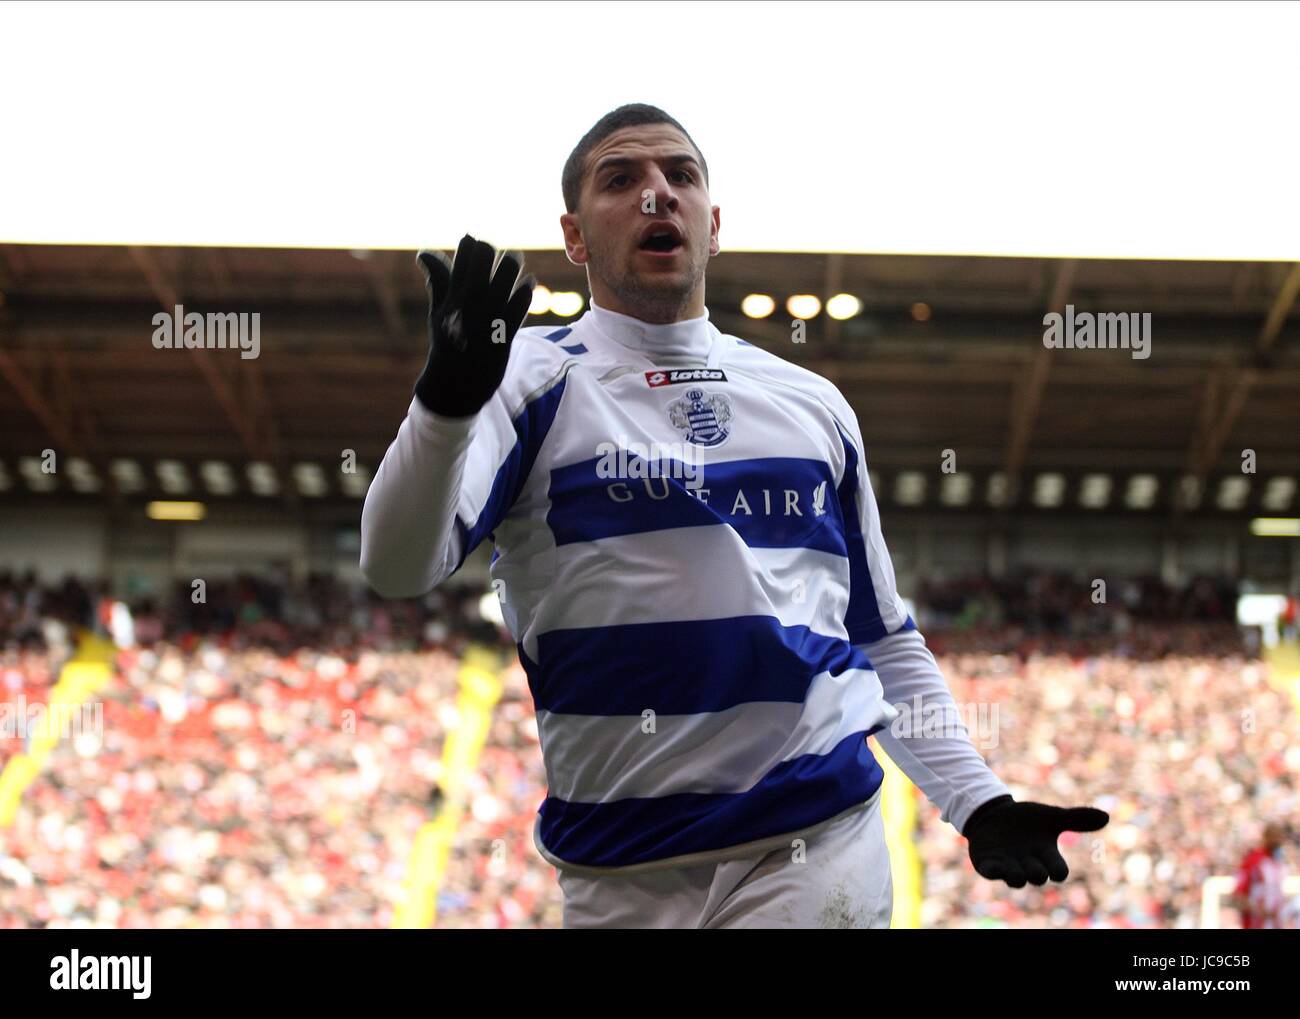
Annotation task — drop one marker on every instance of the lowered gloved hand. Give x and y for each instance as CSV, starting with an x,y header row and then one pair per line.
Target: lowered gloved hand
x,y
1016,842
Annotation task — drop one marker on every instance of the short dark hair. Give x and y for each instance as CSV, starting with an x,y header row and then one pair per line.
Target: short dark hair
x,y
629,115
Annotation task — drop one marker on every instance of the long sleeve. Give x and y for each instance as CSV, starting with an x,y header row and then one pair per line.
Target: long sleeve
x,y
409,541
929,740
446,484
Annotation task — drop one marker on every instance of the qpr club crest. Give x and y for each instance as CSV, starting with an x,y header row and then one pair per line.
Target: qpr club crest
x,y
701,417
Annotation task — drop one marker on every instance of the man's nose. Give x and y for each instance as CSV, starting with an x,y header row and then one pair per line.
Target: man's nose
x,y
665,196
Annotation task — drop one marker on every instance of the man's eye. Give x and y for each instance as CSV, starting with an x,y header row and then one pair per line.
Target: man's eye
x,y
686,174
617,176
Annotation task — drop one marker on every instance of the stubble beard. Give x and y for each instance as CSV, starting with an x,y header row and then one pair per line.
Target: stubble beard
x,y
655,297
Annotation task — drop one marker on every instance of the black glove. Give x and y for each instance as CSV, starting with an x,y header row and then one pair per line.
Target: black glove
x,y
474,314
1016,842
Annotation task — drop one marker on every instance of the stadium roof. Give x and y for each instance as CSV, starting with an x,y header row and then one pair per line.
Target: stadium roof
x,y
947,353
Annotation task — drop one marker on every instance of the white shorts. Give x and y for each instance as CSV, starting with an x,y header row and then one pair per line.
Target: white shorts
x,y
837,876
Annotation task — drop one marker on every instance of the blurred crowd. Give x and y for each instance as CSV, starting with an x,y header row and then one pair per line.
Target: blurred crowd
x,y
1030,612
248,611
269,754
242,788
1060,603
1189,754
1046,613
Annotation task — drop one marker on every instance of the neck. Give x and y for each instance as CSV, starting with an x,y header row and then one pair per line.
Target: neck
x,y
687,341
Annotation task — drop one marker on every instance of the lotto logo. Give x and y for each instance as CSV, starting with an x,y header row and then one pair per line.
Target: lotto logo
x,y
676,375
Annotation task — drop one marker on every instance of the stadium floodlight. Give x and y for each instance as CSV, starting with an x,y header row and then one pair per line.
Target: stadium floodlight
x,y
128,476
1275,527
1141,491
354,483
165,509
1049,490
757,305
37,479
261,478
955,490
566,303
1232,492
1094,492
310,480
541,302
996,493
172,477
1189,491
217,477
909,488
843,306
804,306
82,475
1278,494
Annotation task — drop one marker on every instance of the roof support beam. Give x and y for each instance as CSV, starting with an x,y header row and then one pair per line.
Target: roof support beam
x,y
242,414
30,393
1215,423
1031,386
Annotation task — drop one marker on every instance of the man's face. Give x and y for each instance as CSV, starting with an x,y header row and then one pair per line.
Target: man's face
x,y
641,179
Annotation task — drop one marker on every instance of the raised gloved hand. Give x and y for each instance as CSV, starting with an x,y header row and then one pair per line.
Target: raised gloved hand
x,y
476,305
1016,842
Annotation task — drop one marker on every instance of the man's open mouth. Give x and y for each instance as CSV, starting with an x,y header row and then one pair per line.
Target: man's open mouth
x,y
662,239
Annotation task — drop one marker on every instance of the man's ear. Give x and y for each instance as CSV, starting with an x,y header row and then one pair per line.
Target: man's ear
x,y
714,246
575,248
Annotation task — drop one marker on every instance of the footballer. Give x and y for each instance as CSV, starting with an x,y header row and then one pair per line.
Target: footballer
x,y
709,621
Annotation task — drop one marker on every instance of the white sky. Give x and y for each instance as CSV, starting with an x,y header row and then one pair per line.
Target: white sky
x,y
1161,131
